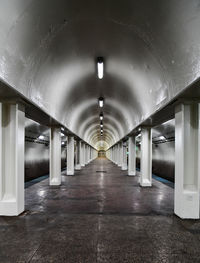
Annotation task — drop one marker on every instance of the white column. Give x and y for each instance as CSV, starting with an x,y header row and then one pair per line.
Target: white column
x,y
108,154
55,156
70,155
86,153
92,154
12,123
78,155
124,164
89,154
146,157
82,154
187,161
112,154
131,156
115,154
120,154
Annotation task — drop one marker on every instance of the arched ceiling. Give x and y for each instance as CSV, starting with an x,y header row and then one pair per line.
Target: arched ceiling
x,y
48,51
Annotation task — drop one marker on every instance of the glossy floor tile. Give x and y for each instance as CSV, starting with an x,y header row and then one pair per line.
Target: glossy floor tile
x,y
99,217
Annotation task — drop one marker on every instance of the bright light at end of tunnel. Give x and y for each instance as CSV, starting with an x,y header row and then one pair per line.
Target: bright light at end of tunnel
x,y
100,66
101,102
162,137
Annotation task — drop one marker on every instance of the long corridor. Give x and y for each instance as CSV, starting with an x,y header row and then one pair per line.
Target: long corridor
x,y
99,215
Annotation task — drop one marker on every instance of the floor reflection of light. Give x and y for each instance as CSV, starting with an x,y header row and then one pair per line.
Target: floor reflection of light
x,y
101,179
160,198
41,193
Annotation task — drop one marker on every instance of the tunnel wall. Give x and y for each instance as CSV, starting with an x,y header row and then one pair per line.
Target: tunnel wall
x,y
163,156
37,160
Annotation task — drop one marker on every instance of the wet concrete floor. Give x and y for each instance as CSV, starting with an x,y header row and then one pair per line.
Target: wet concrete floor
x,y
98,216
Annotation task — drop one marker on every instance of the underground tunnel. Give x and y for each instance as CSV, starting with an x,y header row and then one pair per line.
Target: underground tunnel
x,y
99,131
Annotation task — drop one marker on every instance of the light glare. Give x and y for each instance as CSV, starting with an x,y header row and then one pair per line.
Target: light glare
x,y
101,102
100,69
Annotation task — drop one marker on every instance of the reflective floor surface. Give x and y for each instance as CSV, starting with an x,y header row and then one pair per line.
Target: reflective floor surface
x,y
99,215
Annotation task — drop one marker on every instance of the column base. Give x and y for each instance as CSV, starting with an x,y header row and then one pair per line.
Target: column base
x,y
145,183
70,173
10,208
55,182
78,167
124,168
132,173
187,205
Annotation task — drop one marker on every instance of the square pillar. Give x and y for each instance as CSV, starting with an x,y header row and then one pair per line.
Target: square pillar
x,y
124,157
187,160
146,157
78,155
12,137
112,154
131,156
86,154
115,154
120,154
82,155
55,156
70,155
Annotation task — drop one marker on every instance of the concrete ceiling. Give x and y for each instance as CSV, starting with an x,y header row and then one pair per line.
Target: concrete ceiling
x,y
48,51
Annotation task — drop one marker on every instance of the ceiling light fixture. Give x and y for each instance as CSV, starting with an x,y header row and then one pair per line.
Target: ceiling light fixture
x,y
100,66
101,116
101,102
41,137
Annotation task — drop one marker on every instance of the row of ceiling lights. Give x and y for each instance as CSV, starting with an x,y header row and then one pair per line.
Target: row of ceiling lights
x,y
101,103
100,71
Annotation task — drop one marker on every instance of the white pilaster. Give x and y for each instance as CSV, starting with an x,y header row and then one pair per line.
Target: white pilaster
x,y
187,161
55,156
12,123
131,156
146,157
70,155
